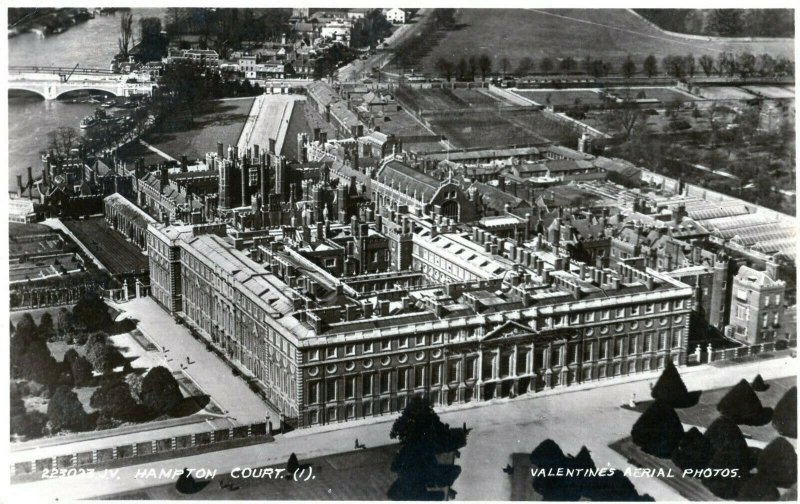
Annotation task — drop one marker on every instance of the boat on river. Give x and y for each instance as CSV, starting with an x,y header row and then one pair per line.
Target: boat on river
x,y
88,122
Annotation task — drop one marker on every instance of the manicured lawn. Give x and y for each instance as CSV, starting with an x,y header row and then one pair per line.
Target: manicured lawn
x,y
223,122
610,34
562,97
359,475
112,249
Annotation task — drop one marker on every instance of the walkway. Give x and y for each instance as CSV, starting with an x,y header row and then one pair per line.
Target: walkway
x,y
269,119
570,417
157,151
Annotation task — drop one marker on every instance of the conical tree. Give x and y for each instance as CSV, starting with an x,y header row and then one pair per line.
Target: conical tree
x,y
778,462
658,431
548,455
292,466
670,387
758,489
724,432
758,384
784,419
726,484
741,404
694,451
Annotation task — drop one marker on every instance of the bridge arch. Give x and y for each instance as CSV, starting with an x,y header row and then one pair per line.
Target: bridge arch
x,y
29,89
100,89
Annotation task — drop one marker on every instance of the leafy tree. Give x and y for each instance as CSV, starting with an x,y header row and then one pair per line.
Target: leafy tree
x,y
184,88
784,419
546,65
485,66
746,64
81,370
292,466
693,452
778,462
505,65
422,435
658,431
91,313
742,405
461,69
650,66
46,327
707,64
65,411
567,64
726,22
690,64
445,68
113,399
628,67
65,321
38,364
152,43
160,393
524,66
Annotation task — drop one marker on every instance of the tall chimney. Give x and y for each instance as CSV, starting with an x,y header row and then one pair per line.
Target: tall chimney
x,y
19,186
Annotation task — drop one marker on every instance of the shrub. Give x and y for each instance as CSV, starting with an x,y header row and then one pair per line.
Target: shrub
x,y
758,384
38,364
658,431
778,462
91,313
160,393
784,418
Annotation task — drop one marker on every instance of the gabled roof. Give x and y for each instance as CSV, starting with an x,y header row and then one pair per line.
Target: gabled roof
x,y
398,174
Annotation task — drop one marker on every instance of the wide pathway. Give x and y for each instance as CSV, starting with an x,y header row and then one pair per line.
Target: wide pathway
x,y
269,119
573,418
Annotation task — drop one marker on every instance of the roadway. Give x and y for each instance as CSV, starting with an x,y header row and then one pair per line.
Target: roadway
x,y
358,69
585,415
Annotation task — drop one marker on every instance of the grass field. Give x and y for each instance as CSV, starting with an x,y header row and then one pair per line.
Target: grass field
x,y
223,122
442,99
775,92
486,129
724,93
558,97
110,247
610,34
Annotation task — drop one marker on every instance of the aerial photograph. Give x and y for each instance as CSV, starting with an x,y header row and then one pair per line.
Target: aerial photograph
x,y
380,253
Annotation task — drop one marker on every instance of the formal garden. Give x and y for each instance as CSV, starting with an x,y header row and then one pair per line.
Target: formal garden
x,y
69,374
713,458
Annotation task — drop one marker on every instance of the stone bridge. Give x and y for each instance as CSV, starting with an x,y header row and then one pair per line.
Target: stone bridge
x,y
52,82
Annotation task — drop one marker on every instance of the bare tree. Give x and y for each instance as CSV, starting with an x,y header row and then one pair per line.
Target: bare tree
x,y
125,34
445,67
505,65
63,139
485,65
707,64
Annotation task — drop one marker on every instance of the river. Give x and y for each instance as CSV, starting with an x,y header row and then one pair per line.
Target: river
x,y
93,44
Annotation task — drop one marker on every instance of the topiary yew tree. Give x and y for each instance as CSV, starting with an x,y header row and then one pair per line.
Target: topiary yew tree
x,y
694,451
758,488
784,419
778,462
741,404
723,432
735,460
670,388
65,411
658,431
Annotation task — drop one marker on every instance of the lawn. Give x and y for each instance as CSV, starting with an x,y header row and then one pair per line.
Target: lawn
x,y
558,97
724,93
222,122
775,92
610,34
359,475
110,247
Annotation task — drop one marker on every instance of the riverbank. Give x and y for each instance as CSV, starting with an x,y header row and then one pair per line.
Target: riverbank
x,y
45,21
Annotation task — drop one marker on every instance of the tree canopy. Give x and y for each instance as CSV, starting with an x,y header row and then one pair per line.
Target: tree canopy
x,y
778,462
160,392
65,411
741,404
784,418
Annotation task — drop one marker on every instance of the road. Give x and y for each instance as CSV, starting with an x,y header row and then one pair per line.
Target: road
x,y
358,69
571,417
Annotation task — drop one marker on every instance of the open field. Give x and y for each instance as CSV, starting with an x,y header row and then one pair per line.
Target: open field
x,y
110,247
223,122
442,99
662,94
609,34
